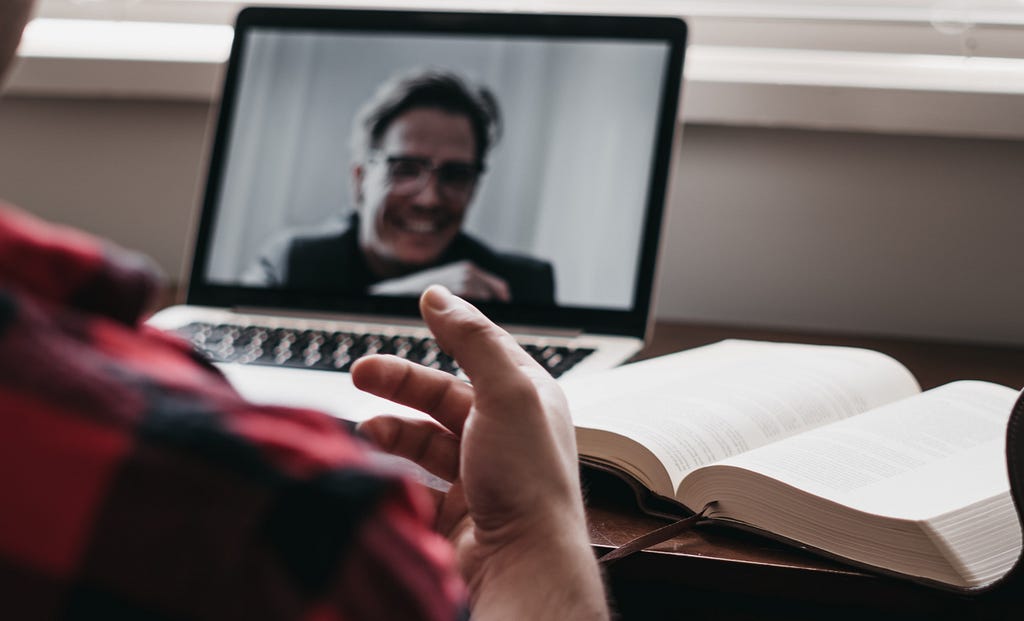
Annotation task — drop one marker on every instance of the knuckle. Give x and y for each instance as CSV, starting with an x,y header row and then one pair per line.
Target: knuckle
x,y
519,389
525,392
472,325
473,331
443,394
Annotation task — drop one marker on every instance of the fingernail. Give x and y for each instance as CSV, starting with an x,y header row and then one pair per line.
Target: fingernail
x,y
438,298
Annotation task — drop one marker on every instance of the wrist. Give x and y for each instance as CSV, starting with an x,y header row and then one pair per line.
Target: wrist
x,y
549,572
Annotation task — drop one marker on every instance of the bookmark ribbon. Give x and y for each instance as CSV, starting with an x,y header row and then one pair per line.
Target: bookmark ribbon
x,y
654,537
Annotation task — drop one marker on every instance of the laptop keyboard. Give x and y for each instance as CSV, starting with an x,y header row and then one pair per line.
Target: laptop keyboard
x,y
336,351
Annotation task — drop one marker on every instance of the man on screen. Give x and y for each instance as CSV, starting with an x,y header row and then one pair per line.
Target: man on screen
x,y
420,147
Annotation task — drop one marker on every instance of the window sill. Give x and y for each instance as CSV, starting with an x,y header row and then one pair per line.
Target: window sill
x,y
736,86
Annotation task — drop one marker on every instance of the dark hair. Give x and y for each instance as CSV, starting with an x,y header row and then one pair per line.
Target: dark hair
x,y
429,88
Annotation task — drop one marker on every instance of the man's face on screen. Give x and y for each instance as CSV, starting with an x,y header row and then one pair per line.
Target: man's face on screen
x,y
415,188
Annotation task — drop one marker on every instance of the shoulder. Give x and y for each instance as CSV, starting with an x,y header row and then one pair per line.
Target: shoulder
x,y
294,256
471,248
314,239
524,262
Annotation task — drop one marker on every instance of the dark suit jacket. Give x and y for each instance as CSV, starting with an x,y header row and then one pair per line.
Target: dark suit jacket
x,y
332,261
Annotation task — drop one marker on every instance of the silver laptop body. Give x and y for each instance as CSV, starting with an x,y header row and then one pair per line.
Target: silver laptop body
x,y
567,211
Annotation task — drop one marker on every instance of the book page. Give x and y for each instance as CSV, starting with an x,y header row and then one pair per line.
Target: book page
x,y
914,459
702,405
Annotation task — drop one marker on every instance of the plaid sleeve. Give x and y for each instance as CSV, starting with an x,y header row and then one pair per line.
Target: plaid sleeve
x,y
134,483
61,265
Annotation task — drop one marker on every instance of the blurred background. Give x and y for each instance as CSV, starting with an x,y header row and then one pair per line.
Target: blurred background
x,y
853,166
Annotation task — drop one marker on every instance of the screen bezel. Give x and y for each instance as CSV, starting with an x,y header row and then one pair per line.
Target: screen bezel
x,y
629,322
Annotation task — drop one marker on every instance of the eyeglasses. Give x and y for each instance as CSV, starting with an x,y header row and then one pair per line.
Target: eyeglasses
x,y
409,175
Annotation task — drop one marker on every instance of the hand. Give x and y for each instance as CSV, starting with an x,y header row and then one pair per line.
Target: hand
x,y
514,512
462,278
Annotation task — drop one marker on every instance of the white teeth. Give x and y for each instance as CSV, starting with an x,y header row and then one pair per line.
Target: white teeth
x,y
420,227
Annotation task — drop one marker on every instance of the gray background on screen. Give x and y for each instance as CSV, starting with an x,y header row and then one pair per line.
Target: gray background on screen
x,y
567,182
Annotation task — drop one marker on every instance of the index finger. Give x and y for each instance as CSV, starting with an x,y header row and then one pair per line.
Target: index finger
x,y
439,394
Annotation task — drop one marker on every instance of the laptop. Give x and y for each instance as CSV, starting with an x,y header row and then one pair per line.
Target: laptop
x,y
359,156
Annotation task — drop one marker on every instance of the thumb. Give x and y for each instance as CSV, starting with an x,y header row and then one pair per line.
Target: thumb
x,y
488,354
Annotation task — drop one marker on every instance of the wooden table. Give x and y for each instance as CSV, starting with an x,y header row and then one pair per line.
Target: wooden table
x,y
717,573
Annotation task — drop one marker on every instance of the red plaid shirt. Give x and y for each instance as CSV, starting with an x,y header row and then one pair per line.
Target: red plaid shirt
x,y
135,483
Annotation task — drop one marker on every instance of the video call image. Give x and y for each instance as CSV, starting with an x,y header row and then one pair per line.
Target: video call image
x,y
508,169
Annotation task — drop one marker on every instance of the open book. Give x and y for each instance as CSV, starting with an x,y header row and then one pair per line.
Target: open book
x,y
835,449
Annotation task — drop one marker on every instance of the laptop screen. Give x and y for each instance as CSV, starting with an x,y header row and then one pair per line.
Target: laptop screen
x,y
519,160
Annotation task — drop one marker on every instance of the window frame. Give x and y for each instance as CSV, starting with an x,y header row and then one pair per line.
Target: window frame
x,y
851,65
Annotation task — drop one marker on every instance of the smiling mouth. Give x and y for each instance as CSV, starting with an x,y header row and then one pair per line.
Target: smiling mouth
x,y
420,226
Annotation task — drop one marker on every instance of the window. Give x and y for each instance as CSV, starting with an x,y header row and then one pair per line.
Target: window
x,y
988,28
972,27
772,61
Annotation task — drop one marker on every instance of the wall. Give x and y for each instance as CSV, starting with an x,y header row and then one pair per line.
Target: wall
x,y
878,234
125,170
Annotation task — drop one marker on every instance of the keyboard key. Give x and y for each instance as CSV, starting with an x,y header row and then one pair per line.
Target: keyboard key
x,y
336,351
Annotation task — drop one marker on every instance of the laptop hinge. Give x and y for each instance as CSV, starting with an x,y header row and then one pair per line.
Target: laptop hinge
x,y
392,320
383,320
562,333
